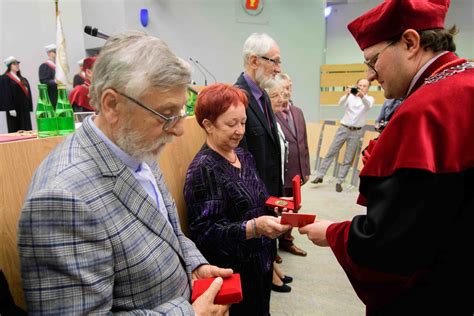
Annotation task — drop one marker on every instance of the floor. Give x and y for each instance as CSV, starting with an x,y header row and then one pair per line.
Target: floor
x,y
320,286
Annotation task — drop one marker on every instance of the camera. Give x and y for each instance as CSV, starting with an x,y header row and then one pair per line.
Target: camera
x,y
354,91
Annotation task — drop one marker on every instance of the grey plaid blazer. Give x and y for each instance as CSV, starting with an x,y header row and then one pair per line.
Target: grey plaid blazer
x,y
91,241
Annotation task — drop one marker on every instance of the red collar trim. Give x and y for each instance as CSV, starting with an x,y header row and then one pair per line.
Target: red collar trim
x,y
22,86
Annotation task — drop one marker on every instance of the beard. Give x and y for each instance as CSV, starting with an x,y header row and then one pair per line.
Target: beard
x,y
261,79
131,141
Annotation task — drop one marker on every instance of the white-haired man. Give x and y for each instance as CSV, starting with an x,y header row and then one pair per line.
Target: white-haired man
x,y
262,63
99,232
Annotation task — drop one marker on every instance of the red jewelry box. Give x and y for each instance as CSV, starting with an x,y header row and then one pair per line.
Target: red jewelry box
x,y
230,292
297,219
294,205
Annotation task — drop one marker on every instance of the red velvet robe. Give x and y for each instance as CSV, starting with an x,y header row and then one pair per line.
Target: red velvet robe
x,y
412,253
79,97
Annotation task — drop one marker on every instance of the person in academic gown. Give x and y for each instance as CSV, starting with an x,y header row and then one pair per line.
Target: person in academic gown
x,y
15,97
80,77
79,96
47,72
411,253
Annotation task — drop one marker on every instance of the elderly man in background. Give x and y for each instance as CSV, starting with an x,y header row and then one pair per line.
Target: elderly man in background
x,y
411,254
262,63
99,232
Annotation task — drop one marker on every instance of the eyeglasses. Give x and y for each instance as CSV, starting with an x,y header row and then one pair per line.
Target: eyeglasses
x,y
170,122
283,95
371,63
273,61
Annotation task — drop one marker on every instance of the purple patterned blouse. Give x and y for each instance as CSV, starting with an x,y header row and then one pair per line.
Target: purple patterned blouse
x,y
220,200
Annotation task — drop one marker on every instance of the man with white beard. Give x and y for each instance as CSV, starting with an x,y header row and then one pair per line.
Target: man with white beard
x,y
262,63
99,232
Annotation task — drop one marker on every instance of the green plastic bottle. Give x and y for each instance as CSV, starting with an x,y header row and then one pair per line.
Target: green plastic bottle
x,y
64,112
45,116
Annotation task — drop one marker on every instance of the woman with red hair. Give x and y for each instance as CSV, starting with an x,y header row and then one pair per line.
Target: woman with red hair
x,y
225,198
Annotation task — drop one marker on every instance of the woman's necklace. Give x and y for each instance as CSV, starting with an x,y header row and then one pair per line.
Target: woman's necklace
x,y
235,158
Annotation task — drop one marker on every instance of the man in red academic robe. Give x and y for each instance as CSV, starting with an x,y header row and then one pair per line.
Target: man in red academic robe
x,y
79,96
412,253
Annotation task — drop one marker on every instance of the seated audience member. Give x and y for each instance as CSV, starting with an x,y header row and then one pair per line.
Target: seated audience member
x,y
225,199
79,96
99,232
80,77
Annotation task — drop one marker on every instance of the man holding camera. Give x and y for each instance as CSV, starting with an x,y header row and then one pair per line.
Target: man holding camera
x,y
357,103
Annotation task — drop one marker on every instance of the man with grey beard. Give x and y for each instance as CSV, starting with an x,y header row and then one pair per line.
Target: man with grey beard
x,y
99,232
262,63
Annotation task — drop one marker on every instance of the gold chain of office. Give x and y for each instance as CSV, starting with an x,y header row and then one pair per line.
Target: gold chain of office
x,y
449,72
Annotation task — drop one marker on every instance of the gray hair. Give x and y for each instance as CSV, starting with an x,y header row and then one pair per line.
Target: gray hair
x,y
257,44
133,62
276,83
283,76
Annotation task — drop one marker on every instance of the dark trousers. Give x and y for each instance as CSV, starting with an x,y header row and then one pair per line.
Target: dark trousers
x,y
286,239
256,289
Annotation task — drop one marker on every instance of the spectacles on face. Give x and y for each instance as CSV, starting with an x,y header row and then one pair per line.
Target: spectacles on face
x,y
283,95
371,63
170,122
273,61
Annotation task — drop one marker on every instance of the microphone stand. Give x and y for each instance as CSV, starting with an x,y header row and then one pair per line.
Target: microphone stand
x,y
198,63
198,68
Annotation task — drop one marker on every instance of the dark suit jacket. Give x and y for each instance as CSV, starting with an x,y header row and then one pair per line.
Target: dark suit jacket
x,y
298,152
262,141
46,76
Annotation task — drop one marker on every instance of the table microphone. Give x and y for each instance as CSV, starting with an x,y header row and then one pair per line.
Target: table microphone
x,y
199,68
198,63
92,31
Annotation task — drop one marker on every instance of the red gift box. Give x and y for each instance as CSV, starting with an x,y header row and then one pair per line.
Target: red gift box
x,y
294,205
297,219
230,292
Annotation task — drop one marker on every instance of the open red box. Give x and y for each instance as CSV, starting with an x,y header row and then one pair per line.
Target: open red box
x,y
297,219
230,292
288,204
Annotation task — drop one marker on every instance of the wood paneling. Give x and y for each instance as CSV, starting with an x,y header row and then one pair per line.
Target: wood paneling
x,y
329,132
313,131
174,162
331,98
18,160
334,78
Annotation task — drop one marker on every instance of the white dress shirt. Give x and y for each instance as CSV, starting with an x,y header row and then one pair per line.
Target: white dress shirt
x,y
356,109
